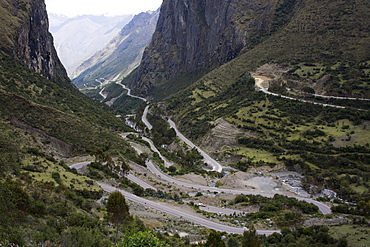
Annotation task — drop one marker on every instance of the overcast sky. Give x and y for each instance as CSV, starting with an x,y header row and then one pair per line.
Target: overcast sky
x,y
73,8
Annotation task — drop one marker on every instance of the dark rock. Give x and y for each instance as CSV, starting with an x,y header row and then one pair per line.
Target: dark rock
x,y
30,40
197,36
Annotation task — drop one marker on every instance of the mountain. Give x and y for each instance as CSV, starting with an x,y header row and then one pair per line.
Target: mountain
x,y
197,37
198,69
36,93
190,37
122,54
79,37
44,121
25,36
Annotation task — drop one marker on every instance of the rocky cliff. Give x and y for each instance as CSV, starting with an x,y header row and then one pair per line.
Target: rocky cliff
x,y
123,53
196,36
25,35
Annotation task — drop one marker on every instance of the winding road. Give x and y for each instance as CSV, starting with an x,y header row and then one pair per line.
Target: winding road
x,y
262,83
260,80
145,119
324,209
215,165
176,212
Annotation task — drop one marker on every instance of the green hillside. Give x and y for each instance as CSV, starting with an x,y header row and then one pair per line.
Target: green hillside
x,y
296,33
43,123
322,45
68,116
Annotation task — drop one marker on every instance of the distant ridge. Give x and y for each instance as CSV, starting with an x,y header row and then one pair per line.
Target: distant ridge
x,y
79,37
123,53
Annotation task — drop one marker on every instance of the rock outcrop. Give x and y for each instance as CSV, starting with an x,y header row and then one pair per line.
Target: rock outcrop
x,y
199,36
196,36
29,39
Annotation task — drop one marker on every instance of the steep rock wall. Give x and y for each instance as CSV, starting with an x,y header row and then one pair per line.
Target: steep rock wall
x,y
196,36
29,40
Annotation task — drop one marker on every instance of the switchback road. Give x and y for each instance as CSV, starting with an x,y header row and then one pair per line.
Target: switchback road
x,y
215,165
262,83
174,211
178,213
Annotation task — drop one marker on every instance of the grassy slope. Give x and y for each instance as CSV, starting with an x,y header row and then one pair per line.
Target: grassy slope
x,y
43,202
10,22
69,116
319,32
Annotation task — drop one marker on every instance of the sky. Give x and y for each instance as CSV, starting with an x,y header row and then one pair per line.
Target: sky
x,y
73,8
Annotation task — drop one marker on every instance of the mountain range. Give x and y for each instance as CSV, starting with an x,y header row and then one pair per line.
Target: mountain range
x,y
265,87
79,37
199,37
121,55
36,93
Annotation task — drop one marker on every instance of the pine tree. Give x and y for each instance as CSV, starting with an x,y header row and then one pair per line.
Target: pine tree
x,y
251,239
117,209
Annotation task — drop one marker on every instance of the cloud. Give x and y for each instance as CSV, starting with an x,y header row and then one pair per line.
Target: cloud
x,y
72,8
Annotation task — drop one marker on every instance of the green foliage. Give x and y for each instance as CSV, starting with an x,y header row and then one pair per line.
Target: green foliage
x,y
214,240
345,78
10,152
142,239
283,13
82,237
113,90
176,84
162,195
60,112
362,208
39,212
197,115
258,143
14,203
172,169
250,238
309,90
284,210
232,242
310,236
117,209
127,105
161,132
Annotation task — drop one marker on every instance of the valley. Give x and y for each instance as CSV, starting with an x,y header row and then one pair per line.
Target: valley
x,y
204,123
180,185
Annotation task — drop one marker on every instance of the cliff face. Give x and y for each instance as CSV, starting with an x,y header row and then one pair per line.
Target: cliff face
x,y
29,40
123,53
196,36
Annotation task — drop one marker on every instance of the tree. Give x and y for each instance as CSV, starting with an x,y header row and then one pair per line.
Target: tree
x,y
232,242
215,240
142,239
117,209
309,90
10,152
14,203
124,168
251,239
172,169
